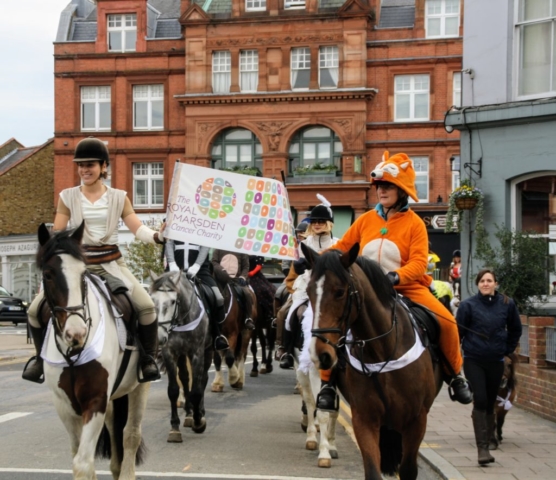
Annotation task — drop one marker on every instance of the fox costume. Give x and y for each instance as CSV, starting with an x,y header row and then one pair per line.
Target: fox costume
x,y
399,243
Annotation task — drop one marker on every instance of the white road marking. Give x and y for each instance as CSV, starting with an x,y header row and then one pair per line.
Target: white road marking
x,y
169,474
12,416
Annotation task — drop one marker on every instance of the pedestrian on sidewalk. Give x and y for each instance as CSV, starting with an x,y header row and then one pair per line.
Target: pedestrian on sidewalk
x,y
490,328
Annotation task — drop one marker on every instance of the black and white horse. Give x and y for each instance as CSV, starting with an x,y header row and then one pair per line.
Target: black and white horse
x,y
94,393
186,347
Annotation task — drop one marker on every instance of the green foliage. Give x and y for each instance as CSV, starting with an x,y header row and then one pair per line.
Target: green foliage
x,y
316,167
244,170
454,215
521,265
142,258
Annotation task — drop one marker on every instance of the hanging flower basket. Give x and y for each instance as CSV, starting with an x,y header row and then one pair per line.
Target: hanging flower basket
x,y
465,197
466,203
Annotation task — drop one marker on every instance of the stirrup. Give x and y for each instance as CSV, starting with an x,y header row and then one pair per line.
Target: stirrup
x,y
274,323
146,361
286,361
459,390
40,378
249,324
222,339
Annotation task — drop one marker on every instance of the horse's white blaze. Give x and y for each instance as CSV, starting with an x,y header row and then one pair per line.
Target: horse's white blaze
x,y
316,319
75,329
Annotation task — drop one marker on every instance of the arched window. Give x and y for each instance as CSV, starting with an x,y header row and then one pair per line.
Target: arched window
x,y
315,145
237,147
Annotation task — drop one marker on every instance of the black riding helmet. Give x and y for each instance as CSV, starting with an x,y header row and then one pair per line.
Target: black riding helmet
x,y
322,212
457,253
91,149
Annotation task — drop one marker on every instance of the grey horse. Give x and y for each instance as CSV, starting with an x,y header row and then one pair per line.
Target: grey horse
x,y
186,347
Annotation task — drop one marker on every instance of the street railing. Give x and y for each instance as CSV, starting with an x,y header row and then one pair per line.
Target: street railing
x,y
550,344
524,341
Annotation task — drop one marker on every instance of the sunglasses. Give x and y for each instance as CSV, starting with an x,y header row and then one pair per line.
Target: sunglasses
x,y
385,186
318,221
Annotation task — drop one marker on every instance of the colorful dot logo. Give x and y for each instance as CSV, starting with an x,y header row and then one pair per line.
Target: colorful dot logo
x,y
266,222
215,198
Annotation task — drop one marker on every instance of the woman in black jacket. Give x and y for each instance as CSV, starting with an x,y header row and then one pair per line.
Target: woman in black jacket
x,y
490,327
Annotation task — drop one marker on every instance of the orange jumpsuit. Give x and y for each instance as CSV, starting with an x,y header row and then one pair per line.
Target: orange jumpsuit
x,y
400,244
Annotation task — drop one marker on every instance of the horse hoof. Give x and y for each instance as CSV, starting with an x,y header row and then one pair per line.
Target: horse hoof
x,y
311,445
269,368
333,453
217,388
201,427
263,370
188,422
325,463
174,437
238,385
254,373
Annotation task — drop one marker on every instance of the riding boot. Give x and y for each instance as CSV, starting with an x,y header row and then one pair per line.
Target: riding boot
x,y
481,436
220,341
492,441
286,360
459,390
327,399
148,337
33,370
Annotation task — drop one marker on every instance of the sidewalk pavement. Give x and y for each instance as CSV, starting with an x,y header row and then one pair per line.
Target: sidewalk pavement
x,y
528,451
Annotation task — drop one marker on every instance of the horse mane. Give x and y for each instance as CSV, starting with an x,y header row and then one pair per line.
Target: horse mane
x,y
379,281
60,242
330,261
165,281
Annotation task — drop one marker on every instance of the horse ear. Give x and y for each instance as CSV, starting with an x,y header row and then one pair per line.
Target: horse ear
x,y
153,275
78,234
43,234
309,253
349,258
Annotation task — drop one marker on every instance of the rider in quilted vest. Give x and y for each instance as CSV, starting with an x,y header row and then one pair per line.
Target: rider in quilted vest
x,y
394,236
101,208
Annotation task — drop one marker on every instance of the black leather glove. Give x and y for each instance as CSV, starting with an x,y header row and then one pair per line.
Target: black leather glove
x,y
300,266
393,277
241,281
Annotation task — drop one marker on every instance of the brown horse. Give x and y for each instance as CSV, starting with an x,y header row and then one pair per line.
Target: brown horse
x,y
506,396
233,328
390,380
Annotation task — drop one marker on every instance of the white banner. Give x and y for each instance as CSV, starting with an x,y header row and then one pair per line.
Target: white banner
x,y
230,211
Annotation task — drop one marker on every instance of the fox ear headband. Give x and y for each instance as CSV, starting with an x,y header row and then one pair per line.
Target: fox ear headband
x,y
397,170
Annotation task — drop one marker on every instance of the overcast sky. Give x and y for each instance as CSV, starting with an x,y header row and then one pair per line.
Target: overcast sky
x,y
27,32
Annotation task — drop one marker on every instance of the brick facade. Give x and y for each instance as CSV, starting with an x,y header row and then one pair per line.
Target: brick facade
x,y
26,192
536,376
360,110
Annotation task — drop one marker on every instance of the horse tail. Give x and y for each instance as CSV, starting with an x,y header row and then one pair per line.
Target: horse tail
x,y
390,445
104,448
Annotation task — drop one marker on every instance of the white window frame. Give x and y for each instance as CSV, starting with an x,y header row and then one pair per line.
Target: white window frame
x,y
248,70
456,175
96,96
151,95
128,24
151,174
443,15
412,91
255,5
294,4
221,71
456,89
419,174
550,62
300,56
329,60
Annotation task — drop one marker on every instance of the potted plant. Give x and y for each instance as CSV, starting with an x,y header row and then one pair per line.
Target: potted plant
x,y
316,169
465,197
244,170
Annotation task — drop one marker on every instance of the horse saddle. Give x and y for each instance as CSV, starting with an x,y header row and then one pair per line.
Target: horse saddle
x,y
425,323
119,296
207,296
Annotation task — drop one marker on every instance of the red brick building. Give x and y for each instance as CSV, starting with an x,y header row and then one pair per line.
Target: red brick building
x,y
272,84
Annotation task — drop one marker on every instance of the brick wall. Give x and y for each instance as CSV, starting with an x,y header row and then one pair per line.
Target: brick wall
x,y
536,376
26,193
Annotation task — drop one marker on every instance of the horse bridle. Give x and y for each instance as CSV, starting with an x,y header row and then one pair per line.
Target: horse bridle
x,y
82,310
342,330
176,314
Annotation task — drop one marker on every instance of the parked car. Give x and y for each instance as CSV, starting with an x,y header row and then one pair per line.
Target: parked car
x,y
12,309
